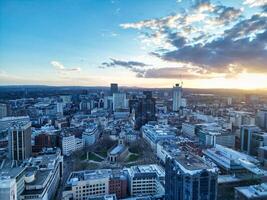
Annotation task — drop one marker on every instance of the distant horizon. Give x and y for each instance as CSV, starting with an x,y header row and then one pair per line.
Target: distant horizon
x,y
125,86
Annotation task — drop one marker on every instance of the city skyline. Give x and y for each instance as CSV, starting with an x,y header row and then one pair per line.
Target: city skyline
x,y
205,44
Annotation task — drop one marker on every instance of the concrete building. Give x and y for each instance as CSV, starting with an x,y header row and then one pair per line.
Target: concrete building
x,y
262,156
252,192
261,119
19,140
189,177
36,178
233,161
119,101
239,118
83,184
3,110
8,189
251,139
42,177
177,97
145,180
12,182
155,133
60,106
90,135
167,148
68,144
6,122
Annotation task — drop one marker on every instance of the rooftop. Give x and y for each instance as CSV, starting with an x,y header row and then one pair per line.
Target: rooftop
x,y
88,175
190,163
254,191
160,172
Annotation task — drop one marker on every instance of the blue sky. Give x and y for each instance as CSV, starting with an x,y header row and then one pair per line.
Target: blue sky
x,y
95,42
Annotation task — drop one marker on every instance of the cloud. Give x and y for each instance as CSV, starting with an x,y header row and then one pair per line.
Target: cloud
x,y
243,45
176,72
125,64
255,3
215,38
198,25
61,68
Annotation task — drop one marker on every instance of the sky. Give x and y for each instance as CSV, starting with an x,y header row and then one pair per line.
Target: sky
x,y
143,43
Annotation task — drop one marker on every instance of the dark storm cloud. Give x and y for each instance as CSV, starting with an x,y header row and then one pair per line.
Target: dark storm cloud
x,y
244,45
125,64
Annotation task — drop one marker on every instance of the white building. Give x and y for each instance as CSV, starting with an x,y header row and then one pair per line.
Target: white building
x,y
11,179
66,99
84,184
165,149
60,106
145,180
8,189
42,177
155,133
252,192
177,97
68,144
119,101
231,160
90,135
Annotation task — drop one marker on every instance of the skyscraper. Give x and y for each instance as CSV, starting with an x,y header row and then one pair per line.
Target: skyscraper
x,y
119,101
189,177
3,110
113,88
19,140
145,110
261,119
251,139
177,97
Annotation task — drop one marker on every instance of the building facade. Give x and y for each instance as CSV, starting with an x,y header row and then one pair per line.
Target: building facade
x,y
188,177
19,141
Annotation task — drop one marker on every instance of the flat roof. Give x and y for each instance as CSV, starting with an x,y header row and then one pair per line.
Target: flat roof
x,y
253,191
191,162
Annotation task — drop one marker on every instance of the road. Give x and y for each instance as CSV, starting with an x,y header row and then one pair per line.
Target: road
x,y
67,169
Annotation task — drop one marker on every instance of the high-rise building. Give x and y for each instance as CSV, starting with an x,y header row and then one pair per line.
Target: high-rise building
x,y
19,139
119,101
189,177
251,139
145,110
60,106
177,97
261,119
3,110
113,88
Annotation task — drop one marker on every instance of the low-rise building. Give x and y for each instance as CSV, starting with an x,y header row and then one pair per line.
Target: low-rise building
x,y
42,177
252,192
155,133
83,184
90,135
145,180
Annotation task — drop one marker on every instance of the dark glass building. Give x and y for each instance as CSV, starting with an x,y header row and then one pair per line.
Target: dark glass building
x,y
145,110
188,177
113,88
